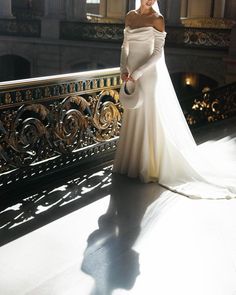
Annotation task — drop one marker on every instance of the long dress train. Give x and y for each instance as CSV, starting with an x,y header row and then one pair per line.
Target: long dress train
x,y
155,141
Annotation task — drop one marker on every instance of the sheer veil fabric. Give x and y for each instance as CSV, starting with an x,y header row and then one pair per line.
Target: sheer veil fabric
x,y
155,141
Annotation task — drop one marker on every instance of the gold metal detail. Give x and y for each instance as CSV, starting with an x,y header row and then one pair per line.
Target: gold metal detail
x,y
8,99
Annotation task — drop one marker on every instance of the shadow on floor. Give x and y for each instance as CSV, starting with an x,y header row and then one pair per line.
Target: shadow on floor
x,y
25,211
215,131
109,257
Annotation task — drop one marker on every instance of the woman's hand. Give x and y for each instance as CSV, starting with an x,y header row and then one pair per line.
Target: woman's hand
x,y
131,79
126,77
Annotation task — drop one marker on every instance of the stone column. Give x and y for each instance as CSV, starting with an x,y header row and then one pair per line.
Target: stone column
x,y
184,8
219,8
5,9
230,9
163,5
200,8
76,9
131,5
173,12
231,60
103,8
55,9
116,10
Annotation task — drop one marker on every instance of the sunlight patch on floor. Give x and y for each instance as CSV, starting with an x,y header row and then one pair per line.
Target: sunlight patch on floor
x,y
189,248
51,254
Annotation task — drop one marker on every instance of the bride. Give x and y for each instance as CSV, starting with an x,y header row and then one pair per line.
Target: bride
x,y
155,141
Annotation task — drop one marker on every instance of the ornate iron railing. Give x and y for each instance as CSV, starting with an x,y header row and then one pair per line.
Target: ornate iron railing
x,y
210,38
20,27
177,36
211,106
50,123
91,31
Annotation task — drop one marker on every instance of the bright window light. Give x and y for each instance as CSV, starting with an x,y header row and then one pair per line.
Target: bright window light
x,y
93,1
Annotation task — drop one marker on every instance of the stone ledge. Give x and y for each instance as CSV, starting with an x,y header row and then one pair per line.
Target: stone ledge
x,y
217,23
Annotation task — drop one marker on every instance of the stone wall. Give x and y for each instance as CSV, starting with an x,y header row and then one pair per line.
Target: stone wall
x,y
58,57
50,58
208,63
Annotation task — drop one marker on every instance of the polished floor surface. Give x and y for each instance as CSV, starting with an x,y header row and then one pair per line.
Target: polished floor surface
x,y
95,233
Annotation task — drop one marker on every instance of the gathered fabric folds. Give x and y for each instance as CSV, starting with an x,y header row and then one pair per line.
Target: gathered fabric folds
x,y
155,141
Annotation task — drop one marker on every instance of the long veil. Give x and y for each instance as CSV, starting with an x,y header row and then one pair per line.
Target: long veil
x,y
206,171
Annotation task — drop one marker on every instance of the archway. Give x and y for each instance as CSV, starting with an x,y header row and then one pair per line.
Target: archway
x,y
188,84
14,67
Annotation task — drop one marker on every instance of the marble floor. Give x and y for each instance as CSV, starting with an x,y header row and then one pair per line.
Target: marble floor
x,y
94,233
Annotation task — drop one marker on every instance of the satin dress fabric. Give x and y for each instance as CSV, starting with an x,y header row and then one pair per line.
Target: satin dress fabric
x,y
155,142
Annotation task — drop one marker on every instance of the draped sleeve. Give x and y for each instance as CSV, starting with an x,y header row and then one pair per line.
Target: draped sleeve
x,y
124,54
159,41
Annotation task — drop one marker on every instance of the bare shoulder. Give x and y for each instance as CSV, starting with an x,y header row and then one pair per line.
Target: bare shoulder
x,y
159,22
131,12
129,16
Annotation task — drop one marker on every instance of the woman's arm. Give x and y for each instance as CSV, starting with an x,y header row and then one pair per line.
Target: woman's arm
x,y
124,56
125,50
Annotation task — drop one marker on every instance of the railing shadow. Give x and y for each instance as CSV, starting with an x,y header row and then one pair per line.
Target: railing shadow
x,y
24,211
109,257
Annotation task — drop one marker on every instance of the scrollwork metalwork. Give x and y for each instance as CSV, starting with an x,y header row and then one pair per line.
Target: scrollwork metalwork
x,y
76,123
91,31
71,123
46,132
211,106
191,35
28,133
211,37
16,27
207,38
107,115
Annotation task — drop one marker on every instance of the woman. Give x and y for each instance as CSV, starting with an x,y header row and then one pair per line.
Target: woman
x,y
155,142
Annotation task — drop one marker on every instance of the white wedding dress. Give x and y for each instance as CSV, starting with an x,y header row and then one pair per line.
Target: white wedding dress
x,y
155,141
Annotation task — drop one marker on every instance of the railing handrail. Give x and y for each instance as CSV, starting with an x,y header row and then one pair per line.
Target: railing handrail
x,y
58,78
